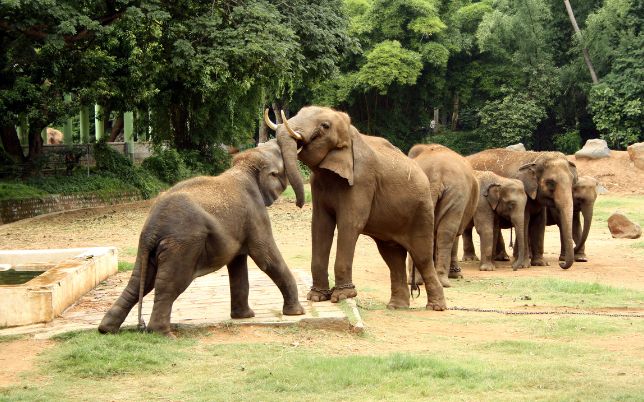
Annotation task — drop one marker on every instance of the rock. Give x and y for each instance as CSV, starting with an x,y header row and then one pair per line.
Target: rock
x,y
594,149
636,153
516,147
622,228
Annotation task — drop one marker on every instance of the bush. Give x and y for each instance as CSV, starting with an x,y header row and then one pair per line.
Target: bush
x,y
112,164
168,165
568,143
463,142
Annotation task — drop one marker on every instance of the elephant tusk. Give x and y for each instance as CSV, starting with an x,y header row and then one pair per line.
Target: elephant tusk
x,y
292,133
268,121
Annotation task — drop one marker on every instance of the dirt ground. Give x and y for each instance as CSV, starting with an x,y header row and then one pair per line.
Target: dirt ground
x,y
611,261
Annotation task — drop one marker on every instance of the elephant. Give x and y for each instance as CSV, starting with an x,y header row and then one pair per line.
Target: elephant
x,y
501,203
584,194
201,224
54,136
455,194
548,178
362,185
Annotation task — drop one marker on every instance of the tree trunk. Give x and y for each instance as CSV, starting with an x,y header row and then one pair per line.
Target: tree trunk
x,y
455,107
276,111
117,126
263,129
573,21
11,143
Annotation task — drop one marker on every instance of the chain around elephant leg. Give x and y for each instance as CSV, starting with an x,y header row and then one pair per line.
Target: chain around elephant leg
x,y
341,292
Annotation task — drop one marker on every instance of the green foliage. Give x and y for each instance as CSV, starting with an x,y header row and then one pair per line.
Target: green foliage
x,y
510,120
167,165
463,142
124,266
389,63
16,191
568,143
112,164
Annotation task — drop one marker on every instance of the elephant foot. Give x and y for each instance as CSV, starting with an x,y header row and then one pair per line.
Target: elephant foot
x,y
242,313
438,305
161,329
470,257
539,262
502,256
318,295
345,292
581,258
398,304
486,266
520,264
109,324
455,272
293,309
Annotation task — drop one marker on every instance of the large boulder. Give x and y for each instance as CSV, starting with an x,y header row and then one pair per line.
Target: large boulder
x,y
594,149
516,147
636,153
622,228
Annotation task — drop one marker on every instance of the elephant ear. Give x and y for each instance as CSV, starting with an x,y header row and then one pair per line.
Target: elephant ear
x,y
528,175
340,159
493,194
573,170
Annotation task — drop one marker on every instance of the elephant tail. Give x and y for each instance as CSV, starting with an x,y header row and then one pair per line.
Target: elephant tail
x,y
145,255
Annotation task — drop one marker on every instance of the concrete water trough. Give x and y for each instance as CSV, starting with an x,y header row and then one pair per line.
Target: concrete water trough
x,y
37,285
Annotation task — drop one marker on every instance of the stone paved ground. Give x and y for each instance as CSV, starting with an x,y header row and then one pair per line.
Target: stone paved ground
x,y
206,302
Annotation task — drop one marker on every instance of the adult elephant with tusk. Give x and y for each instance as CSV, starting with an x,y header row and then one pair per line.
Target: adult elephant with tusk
x,y
362,185
548,178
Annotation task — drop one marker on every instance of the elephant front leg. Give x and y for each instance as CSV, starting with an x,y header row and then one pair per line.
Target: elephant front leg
x,y
469,253
238,279
536,234
485,229
394,256
344,287
454,268
322,228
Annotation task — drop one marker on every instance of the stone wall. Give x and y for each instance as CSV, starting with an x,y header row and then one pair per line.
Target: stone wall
x,y
14,210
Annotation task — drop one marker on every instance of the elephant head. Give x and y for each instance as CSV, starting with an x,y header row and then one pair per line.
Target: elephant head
x,y
508,199
267,163
321,138
584,194
549,180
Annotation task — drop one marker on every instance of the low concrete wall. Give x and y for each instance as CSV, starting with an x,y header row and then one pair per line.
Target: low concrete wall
x,y
14,210
48,295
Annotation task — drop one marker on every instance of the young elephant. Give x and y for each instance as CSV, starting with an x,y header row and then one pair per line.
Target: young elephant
x,y
501,203
202,224
584,194
455,193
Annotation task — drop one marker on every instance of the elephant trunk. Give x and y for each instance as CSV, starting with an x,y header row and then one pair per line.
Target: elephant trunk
x,y
565,206
587,212
288,146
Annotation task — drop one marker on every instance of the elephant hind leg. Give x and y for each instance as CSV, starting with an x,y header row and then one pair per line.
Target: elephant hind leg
x,y
394,255
454,268
177,263
115,316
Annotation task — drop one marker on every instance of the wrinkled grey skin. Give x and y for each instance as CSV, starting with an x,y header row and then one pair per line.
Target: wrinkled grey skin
x,y
548,178
202,224
455,194
361,185
502,201
584,194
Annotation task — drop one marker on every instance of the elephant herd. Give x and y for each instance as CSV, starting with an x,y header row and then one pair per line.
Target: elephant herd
x,y
416,205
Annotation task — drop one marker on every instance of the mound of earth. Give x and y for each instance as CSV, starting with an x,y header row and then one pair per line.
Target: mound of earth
x,y
617,172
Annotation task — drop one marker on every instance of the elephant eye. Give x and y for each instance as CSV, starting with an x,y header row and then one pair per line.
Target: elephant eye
x,y
326,125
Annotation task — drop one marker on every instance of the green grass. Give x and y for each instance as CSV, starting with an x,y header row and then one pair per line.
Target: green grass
x,y
289,194
124,266
639,244
18,191
631,206
553,292
134,366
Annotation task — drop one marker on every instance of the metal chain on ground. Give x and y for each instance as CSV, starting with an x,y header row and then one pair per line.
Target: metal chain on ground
x,y
552,312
